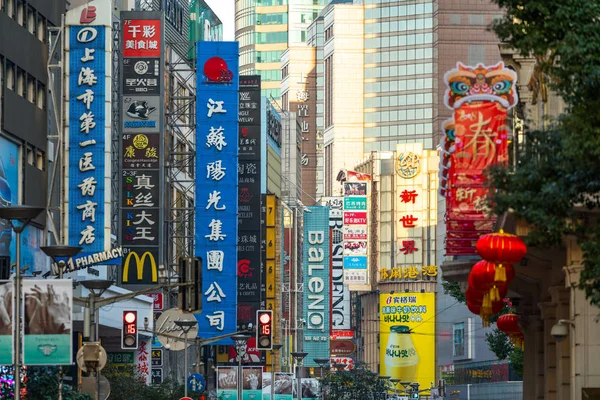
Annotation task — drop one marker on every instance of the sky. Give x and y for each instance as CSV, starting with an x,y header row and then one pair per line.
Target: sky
x,y
225,10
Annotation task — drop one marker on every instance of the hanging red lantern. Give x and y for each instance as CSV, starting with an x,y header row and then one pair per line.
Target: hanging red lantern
x,y
481,277
501,247
473,296
474,308
509,324
504,272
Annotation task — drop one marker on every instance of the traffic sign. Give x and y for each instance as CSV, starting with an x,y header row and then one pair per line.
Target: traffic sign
x,y
157,358
157,376
196,383
158,301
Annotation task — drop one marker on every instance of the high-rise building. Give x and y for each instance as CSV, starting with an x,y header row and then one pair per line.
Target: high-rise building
x,y
265,29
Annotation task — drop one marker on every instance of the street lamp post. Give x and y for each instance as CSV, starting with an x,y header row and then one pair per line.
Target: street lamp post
x,y
385,380
97,287
58,253
19,217
240,343
395,383
322,362
299,356
185,325
276,347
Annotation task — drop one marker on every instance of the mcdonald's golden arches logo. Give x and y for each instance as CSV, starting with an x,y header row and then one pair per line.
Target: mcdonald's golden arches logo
x,y
140,263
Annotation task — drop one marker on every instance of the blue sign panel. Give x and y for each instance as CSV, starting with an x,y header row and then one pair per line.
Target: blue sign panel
x,y
196,383
316,269
355,262
216,185
87,121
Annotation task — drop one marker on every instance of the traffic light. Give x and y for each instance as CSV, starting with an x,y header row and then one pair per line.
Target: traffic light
x,y
264,330
414,391
190,297
129,334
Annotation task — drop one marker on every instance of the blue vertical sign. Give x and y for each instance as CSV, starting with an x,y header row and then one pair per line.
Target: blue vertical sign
x,y
87,121
216,185
316,267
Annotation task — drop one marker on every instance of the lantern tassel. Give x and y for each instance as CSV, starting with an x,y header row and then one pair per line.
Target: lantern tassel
x,y
487,303
494,294
500,273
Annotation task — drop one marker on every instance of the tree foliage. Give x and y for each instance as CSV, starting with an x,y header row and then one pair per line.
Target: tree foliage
x,y
42,384
500,345
558,170
453,289
126,384
356,384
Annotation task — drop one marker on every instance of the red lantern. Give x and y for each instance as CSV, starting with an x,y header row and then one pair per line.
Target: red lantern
x,y
501,247
473,296
481,277
474,308
509,324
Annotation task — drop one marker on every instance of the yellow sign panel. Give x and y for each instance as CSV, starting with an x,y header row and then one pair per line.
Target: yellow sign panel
x,y
407,327
271,306
270,243
140,263
410,273
271,210
270,279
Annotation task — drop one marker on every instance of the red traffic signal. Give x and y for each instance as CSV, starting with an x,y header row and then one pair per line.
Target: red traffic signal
x,y
264,329
129,334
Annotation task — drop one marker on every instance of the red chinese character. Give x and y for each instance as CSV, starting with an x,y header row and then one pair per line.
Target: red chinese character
x,y
408,221
142,349
408,196
408,247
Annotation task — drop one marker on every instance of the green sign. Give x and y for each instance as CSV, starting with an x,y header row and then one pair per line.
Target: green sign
x,y
120,357
355,203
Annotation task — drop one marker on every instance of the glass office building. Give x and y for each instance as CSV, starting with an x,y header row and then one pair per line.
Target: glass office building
x,y
398,74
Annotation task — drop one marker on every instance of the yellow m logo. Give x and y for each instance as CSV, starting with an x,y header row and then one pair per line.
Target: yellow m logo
x,y
139,264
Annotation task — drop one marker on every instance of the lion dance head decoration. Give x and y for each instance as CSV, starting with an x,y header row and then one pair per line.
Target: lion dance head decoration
x,y
481,83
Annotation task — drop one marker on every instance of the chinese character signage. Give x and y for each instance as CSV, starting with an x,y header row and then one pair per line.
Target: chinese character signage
x,y
47,323
355,230
89,128
249,198
216,228
474,139
141,150
315,266
415,205
340,294
407,330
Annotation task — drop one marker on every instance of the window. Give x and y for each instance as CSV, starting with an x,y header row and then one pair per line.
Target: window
x,y
476,54
458,339
10,8
20,82
10,75
41,96
31,92
455,19
476,19
41,29
20,13
31,20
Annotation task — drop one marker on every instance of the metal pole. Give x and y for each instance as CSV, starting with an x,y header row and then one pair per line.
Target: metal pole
x,y
299,375
185,365
61,266
239,379
272,374
17,319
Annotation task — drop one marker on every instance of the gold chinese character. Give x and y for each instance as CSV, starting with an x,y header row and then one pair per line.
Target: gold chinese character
x,y
129,152
151,152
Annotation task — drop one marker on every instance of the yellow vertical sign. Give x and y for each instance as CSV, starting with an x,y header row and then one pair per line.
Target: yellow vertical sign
x,y
270,210
270,279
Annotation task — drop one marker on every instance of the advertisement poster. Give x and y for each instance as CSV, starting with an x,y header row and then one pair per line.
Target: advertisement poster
x,y
9,190
6,326
267,380
310,389
227,383
47,327
407,328
252,383
315,267
284,383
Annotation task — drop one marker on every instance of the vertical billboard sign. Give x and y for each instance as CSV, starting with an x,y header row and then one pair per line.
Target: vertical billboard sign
x,y
6,325
47,324
355,217
340,294
88,127
216,229
249,199
252,383
479,137
316,271
141,150
407,329
227,383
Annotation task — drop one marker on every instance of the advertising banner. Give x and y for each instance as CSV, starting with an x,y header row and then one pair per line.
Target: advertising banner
x,y
227,383
356,248
88,128
315,266
407,329
141,148
47,323
252,383
284,386
216,230
479,139
249,269
310,389
6,325
340,295
267,381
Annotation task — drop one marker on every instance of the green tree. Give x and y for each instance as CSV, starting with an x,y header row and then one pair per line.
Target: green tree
x,y
558,170
42,384
453,289
356,384
126,384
